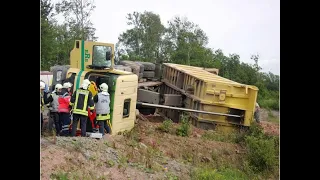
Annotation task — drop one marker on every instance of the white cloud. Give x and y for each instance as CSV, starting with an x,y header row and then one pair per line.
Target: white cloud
x,y
243,27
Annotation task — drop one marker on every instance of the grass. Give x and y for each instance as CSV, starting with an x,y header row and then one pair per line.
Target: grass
x,y
223,174
249,155
234,137
59,176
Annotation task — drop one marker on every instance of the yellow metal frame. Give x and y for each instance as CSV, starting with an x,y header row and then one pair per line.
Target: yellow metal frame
x,y
211,92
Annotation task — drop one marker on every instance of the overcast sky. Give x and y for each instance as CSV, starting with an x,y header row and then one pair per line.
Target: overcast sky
x,y
244,27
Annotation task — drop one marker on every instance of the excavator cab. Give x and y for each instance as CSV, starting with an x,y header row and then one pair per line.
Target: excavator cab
x,y
89,55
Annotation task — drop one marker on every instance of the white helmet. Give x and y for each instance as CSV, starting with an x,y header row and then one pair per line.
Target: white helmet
x,y
67,85
58,86
42,85
86,81
85,84
104,87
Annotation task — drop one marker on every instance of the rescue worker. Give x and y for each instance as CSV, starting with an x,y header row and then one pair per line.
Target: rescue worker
x,y
54,104
42,87
64,110
80,101
102,106
257,113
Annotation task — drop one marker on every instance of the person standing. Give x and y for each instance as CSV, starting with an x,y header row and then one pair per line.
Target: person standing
x,y
64,110
54,104
80,101
102,100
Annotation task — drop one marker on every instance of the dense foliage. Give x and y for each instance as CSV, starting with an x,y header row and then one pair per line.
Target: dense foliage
x,y
147,39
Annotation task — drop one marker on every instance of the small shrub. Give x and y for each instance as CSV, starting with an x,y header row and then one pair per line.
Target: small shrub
x,y
110,163
263,150
184,128
261,153
256,130
171,176
166,126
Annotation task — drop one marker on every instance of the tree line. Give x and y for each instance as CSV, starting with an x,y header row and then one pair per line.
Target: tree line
x,y
147,39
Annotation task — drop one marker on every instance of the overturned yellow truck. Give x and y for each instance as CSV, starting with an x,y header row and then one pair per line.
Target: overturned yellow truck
x,y
212,101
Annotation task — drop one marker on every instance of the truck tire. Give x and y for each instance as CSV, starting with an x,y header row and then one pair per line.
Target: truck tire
x,y
148,66
148,74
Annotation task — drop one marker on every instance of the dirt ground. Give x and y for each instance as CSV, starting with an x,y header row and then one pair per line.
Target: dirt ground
x,y
270,121
143,153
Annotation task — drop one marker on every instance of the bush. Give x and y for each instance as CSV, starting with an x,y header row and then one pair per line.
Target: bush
x,y
256,130
165,126
184,129
261,153
269,103
263,150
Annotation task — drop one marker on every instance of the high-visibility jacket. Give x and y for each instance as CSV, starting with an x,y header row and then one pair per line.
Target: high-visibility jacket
x,y
81,100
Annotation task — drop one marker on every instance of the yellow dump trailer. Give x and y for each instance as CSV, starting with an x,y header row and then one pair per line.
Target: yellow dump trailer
x,y
206,91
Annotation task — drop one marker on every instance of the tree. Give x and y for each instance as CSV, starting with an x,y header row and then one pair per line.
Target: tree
x,y
186,42
77,16
144,39
48,34
255,58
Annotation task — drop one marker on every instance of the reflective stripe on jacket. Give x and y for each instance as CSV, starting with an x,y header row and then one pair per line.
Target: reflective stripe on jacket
x,y
81,100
